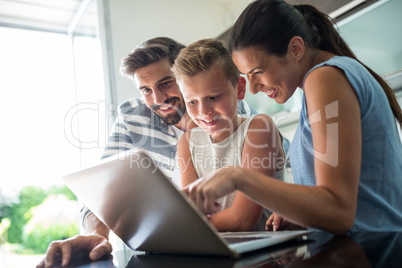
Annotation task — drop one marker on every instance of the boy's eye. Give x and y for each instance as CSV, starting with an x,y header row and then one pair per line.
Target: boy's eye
x,y
191,102
214,98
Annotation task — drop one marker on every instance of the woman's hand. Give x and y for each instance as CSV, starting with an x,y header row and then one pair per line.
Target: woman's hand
x,y
205,191
277,223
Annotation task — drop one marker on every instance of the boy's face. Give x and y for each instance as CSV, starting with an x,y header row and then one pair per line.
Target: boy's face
x,y
211,101
160,91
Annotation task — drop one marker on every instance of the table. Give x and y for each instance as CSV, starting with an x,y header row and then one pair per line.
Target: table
x,y
319,249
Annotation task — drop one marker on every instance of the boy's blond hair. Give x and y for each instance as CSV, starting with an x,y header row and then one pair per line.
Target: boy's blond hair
x,y
202,56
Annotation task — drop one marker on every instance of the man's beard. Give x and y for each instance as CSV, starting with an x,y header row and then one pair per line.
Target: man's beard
x,y
173,118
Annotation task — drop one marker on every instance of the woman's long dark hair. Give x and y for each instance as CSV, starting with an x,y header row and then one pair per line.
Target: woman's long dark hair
x,y
270,24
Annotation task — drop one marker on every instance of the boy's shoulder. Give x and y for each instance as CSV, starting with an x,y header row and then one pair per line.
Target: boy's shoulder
x,y
261,121
262,129
185,137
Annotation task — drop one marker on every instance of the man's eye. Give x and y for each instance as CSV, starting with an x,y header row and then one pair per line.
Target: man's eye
x,y
165,84
258,72
145,91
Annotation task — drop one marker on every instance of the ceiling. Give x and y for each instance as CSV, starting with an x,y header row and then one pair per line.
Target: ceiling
x,y
58,15
336,9
46,15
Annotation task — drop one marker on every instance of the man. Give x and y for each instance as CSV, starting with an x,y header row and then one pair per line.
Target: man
x,y
154,123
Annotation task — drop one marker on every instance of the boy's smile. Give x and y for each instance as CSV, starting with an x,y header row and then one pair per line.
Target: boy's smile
x,y
209,122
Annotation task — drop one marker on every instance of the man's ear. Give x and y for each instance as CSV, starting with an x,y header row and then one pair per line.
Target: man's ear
x,y
241,88
296,48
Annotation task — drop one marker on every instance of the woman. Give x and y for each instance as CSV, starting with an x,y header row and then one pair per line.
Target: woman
x,y
346,155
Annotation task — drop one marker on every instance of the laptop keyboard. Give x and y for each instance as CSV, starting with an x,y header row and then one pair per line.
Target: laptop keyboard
x,y
233,240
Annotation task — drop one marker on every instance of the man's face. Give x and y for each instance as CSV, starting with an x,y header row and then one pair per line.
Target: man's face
x,y
160,91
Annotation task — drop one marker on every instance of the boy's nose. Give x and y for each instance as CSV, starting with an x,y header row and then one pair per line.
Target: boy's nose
x,y
205,109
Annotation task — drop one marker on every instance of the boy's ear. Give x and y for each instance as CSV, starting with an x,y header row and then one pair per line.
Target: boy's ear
x,y
241,88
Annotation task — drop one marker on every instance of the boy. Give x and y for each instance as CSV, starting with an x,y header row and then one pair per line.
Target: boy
x,y
211,85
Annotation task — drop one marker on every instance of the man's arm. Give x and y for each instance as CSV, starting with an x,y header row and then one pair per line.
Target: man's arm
x,y
94,226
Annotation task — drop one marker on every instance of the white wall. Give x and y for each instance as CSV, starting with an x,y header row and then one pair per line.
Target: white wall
x,y
134,21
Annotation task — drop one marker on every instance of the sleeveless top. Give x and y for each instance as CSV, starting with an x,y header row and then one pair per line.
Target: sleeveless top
x,y
208,157
379,201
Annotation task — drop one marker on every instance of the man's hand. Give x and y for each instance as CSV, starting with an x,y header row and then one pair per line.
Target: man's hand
x,y
94,246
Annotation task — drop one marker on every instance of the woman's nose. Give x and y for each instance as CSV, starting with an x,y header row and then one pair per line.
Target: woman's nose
x,y
254,85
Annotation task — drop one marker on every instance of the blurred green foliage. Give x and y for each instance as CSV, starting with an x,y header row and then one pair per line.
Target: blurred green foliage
x,y
29,196
19,213
39,238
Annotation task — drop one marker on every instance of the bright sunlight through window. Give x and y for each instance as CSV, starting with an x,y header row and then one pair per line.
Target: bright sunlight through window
x,y
37,92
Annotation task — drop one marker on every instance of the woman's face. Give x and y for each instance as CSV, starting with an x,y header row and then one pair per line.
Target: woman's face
x,y
278,77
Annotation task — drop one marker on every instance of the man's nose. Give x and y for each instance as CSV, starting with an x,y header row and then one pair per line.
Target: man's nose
x,y
159,97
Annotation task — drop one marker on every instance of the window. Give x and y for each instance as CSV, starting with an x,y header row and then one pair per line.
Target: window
x,y
37,90
53,122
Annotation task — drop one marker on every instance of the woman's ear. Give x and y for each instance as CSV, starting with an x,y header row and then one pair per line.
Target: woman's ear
x,y
241,88
296,48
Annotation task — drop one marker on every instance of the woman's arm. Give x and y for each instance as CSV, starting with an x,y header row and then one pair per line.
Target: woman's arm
x,y
333,106
334,114
261,148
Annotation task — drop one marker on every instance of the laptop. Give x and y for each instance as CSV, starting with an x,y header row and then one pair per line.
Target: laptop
x,y
149,213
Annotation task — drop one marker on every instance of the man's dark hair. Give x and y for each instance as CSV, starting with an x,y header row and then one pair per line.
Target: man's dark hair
x,y
150,51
